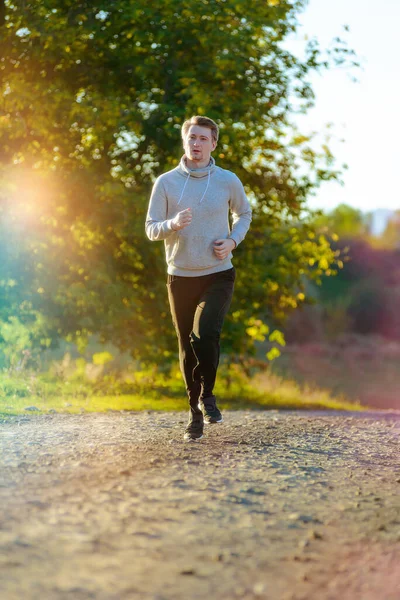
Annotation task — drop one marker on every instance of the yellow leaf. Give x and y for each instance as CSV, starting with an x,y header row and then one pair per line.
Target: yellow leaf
x,y
273,353
277,336
102,358
323,263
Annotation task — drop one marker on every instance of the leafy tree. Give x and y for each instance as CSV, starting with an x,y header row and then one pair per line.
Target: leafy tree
x,y
92,98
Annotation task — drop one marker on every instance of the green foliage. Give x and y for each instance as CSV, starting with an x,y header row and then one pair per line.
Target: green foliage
x,y
22,342
344,221
92,100
16,339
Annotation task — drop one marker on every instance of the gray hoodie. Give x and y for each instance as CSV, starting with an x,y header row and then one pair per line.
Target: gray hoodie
x,y
211,192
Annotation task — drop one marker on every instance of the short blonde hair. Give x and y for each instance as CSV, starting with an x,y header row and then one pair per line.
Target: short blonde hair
x,y
201,122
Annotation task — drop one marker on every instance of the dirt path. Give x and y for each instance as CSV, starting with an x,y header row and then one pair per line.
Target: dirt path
x,y
269,505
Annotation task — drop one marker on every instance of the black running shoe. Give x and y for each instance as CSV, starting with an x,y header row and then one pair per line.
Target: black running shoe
x,y
194,429
210,411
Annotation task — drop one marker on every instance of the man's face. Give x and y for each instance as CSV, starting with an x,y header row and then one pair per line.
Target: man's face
x,y
199,144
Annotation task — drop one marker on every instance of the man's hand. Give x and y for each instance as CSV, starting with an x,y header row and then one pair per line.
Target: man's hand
x,y
182,219
222,248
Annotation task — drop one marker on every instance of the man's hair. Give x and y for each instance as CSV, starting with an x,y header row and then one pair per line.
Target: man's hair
x,y
202,122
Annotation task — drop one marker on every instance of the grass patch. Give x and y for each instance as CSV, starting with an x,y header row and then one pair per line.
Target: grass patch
x,y
151,390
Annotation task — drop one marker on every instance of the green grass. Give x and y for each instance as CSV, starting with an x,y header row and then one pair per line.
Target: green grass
x,y
262,391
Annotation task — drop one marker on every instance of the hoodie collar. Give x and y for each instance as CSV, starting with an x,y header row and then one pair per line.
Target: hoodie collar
x,y
203,172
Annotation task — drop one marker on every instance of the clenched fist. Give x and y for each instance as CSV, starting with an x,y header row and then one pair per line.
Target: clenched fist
x,y
182,219
223,248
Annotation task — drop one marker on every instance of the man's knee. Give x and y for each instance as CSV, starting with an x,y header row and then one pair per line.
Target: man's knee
x,y
204,339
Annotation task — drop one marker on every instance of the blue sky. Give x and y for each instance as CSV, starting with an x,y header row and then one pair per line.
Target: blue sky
x,y
365,114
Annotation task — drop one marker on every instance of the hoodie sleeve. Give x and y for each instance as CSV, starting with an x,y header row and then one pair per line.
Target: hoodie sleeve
x,y
241,211
157,226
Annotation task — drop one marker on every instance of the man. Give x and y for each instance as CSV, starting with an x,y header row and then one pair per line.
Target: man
x,y
189,209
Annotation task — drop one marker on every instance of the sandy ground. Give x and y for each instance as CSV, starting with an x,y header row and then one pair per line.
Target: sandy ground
x,y
269,505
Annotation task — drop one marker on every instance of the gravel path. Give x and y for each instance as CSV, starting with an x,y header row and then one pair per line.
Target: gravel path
x,y
270,505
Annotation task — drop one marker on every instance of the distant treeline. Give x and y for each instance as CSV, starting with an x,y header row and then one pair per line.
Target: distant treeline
x,y
364,297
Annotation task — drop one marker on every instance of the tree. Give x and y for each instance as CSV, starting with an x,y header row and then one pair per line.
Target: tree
x,y
92,99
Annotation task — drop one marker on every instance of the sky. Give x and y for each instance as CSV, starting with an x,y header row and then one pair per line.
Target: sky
x,y
365,114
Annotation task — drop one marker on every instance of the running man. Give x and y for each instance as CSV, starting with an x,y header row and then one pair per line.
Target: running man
x,y
189,209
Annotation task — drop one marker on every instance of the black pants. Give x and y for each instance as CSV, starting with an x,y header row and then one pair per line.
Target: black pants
x,y
198,308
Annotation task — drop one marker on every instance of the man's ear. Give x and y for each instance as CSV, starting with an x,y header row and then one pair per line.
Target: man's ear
x,y
214,145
